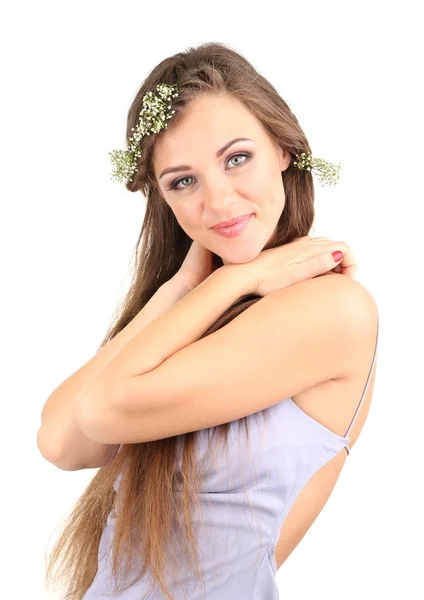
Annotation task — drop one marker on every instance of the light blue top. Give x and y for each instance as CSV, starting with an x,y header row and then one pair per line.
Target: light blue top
x,y
238,540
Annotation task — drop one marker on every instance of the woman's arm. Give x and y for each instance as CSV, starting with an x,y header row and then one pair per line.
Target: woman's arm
x,y
179,327
59,438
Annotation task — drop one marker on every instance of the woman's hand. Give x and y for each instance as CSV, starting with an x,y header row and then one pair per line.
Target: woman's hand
x,y
197,266
304,258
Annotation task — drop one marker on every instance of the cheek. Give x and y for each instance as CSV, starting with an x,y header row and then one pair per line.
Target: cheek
x,y
269,189
262,192
264,183
187,217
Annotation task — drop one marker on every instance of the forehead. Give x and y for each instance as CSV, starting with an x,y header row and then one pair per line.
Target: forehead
x,y
207,123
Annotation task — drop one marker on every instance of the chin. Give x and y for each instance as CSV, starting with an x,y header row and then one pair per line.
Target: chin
x,y
240,258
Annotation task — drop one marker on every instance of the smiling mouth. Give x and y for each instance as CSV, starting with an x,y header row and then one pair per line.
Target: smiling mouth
x,y
235,229
232,222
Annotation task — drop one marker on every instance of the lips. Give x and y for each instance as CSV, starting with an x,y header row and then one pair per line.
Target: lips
x,y
231,222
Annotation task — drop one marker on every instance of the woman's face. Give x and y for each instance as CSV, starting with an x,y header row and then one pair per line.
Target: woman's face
x,y
209,189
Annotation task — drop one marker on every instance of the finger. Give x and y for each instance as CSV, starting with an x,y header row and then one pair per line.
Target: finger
x,y
311,266
348,263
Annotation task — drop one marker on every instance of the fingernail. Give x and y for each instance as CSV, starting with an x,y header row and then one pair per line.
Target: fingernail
x,y
337,255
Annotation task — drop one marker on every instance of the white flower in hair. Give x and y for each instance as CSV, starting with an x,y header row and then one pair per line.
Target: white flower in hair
x,y
327,173
153,117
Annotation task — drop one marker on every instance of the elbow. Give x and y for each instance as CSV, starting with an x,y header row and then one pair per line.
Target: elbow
x,y
95,411
65,465
46,448
52,452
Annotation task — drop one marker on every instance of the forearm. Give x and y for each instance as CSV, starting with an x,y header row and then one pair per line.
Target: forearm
x,y
182,325
59,439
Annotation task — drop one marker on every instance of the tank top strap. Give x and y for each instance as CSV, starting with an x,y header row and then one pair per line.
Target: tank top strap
x,y
367,383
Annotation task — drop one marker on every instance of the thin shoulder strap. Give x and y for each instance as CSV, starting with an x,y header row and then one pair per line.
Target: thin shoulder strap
x,y
366,385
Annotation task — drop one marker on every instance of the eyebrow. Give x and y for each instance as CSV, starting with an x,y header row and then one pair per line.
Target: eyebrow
x,y
218,154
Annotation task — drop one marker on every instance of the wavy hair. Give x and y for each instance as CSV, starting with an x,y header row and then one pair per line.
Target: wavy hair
x,y
146,509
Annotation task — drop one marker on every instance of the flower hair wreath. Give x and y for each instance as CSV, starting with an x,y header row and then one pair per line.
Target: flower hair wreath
x,y
157,110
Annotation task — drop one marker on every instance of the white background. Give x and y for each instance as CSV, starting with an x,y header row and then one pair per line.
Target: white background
x,y
351,72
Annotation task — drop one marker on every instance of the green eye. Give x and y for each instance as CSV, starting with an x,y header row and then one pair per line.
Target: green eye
x,y
175,183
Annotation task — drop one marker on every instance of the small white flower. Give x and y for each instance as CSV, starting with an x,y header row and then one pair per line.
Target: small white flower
x,y
156,110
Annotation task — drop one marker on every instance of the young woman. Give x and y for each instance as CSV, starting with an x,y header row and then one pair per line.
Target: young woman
x,y
255,324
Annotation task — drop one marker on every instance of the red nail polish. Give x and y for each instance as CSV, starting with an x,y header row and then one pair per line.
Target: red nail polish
x,y
337,255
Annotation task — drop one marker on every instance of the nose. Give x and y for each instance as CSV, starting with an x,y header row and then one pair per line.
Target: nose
x,y
219,197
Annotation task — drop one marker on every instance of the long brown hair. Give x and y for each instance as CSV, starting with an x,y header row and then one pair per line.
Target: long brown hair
x,y
148,509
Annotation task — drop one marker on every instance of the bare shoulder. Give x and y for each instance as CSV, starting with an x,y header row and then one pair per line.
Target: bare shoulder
x,y
354,300
333,403
356,308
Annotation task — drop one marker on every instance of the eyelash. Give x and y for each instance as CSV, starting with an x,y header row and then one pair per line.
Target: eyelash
x,y
177,181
